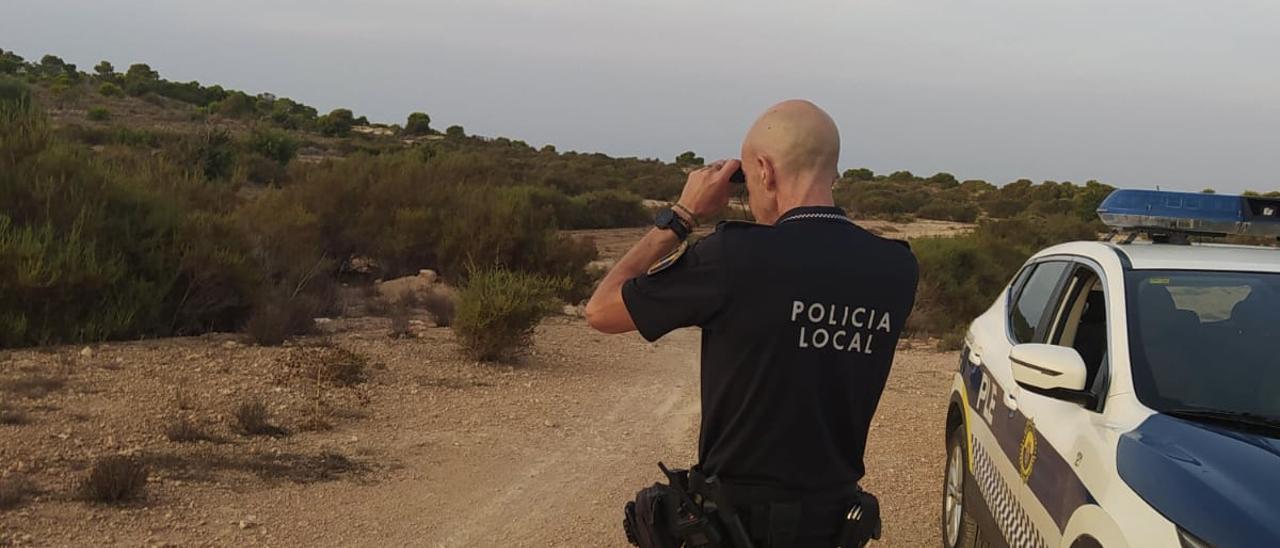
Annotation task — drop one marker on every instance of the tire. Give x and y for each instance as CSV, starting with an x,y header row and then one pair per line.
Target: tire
x,y
959,530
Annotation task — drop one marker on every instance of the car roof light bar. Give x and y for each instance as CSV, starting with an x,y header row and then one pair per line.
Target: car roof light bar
x,y
1168,216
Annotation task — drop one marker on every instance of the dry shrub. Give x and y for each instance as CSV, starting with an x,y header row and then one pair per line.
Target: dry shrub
x,y
951,341
253,419
15,489
115,478
328,364
183,430
276,319
442,307
182,398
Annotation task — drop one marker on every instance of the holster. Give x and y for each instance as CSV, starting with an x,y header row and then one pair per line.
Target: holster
x,y
861,523
684,512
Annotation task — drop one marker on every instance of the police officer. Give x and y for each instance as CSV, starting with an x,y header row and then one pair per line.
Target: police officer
x,y
800,315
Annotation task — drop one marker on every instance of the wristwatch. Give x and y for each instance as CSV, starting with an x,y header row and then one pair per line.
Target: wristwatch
x,y
667,219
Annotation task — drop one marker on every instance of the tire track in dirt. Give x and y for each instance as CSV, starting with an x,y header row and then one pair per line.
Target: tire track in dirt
x,y
560,482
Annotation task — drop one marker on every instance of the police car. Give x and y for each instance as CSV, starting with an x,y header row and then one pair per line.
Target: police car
x,y
1121,393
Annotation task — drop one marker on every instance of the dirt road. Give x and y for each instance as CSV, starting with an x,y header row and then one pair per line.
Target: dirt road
x,y
545,459
448,452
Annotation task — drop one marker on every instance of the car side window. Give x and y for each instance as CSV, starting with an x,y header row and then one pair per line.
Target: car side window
x,y
1029,311
1082,322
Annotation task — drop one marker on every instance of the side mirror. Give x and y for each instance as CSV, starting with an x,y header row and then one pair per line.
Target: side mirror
x,y
1048,368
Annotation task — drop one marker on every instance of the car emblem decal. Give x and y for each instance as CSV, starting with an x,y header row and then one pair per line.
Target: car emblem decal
x,y
1027,454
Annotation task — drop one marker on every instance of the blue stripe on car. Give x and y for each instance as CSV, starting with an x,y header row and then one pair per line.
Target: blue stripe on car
x,y
1052,480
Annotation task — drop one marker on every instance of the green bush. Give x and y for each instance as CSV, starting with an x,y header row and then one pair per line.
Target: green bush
x,y
98,114
608,209
949,211
961,276
260,169
14,92
108,89
498,310
274,144
337,123
418,124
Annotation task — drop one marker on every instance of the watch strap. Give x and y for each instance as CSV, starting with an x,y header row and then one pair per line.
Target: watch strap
x,y
670,220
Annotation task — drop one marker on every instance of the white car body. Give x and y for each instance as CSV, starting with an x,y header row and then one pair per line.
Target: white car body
x,y
1042,470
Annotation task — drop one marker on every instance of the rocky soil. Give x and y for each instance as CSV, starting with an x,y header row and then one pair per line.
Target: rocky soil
x,y
432,449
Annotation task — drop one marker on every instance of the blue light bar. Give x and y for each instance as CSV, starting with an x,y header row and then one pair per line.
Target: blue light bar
x,y
1164,212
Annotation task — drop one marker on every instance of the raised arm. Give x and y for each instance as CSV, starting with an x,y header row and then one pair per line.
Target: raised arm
x,y
705,193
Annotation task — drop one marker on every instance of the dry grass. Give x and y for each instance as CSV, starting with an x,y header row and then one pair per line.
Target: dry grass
x,y
183,430
14,490
182,398
328,364
253,419
114,479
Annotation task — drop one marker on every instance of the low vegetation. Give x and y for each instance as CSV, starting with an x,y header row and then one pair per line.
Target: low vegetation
x,y
252,418
499,309
249,212
960,276
328,364
904,196
180,429
114,479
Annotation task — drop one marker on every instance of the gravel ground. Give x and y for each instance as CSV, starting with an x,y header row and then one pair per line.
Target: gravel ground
x,y
432,450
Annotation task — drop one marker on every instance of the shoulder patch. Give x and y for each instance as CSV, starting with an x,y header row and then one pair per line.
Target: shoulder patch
x,y
670,259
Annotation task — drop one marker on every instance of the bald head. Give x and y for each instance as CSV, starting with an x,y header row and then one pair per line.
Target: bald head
x,y
800,140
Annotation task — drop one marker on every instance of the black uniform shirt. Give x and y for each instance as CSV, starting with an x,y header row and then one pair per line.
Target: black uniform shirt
x,y
799,325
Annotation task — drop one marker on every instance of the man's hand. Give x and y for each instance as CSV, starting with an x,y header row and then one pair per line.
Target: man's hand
x,y
705,194
708,188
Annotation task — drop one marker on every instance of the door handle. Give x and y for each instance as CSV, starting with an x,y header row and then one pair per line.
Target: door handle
x,y
1010,401
975,358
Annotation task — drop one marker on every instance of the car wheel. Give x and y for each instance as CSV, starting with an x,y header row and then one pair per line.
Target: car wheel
x,y
958,528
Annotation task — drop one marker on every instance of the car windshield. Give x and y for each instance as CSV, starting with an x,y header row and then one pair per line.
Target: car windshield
x,y
1206,341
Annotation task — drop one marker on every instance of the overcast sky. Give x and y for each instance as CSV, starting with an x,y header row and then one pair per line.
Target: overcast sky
x,y
1136,92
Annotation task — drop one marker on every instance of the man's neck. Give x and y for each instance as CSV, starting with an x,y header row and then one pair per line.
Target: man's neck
x,y
812,194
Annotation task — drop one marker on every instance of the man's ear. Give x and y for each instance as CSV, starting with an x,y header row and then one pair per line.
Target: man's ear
x,y
768,176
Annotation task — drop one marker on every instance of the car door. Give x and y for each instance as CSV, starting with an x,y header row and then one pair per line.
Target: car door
x,y
1064,437
1029,308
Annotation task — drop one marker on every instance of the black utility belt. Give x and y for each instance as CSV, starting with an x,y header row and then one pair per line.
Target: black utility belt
x,y
693,510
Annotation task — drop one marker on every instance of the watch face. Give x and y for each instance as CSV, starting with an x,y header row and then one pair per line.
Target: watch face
x,y
664,218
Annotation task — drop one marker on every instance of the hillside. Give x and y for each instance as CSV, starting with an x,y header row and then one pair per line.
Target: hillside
x,y
151,208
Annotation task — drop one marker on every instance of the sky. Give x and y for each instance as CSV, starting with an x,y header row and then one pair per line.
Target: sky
x,y
1139,93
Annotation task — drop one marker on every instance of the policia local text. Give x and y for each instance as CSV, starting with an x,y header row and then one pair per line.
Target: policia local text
x,y
845,328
